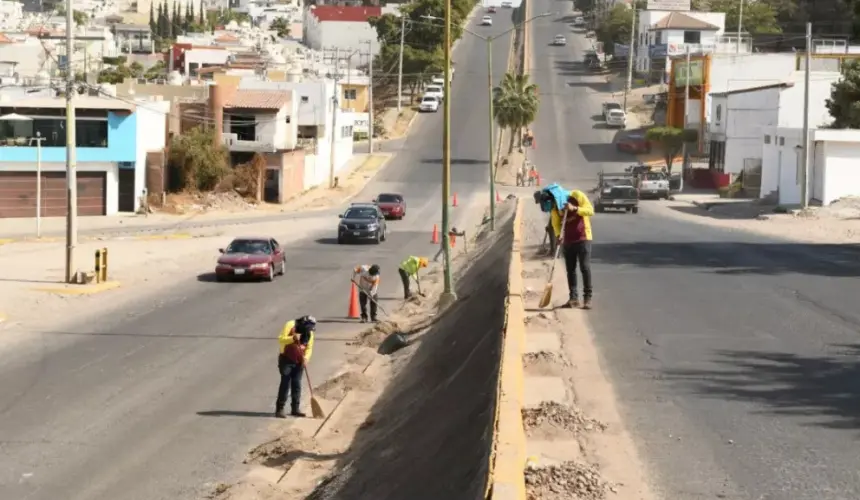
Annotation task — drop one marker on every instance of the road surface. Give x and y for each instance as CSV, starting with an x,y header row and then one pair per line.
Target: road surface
x,y
157,400
734,356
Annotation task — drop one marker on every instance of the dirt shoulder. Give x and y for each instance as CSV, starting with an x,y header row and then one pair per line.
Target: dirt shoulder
x,y
578,444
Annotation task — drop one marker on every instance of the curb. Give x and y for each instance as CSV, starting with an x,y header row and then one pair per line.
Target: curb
x,y
80,289
507,469
3,318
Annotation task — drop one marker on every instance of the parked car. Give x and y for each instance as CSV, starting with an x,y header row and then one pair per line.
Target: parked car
x,y
559,40
429,104
616,118
634,144
256,257
653,185
579,21
435,91
609,106
618,192
486,21
361,221
392,205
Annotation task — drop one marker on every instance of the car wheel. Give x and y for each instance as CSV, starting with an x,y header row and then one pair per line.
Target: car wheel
x,y
635,210
339,240
271,275
384,235
599,208
283,267
219,278
378,238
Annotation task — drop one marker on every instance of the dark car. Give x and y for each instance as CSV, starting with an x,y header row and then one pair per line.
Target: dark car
x,y
393,206
251,258
361,222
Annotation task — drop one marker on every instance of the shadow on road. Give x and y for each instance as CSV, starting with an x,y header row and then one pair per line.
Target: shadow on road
x,y
602,152
740,211
457,161
823,387
234,413
734,258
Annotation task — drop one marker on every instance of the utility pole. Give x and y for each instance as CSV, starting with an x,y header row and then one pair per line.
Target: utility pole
x,y
740,23
804,174
71,167
686,118
38,140
492,136
448,295
334,131
400,64
629,84
370,96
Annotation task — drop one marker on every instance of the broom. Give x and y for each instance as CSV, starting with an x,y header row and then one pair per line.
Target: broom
x,y
547,290
316,407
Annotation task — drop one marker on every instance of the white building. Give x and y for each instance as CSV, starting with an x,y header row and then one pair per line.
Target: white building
x,y
665,34
260,121
739,119
342,27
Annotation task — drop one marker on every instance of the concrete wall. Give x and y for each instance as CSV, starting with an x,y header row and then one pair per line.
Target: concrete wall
x,y
151,136
746,115
339,34
173,93
791,100
836,172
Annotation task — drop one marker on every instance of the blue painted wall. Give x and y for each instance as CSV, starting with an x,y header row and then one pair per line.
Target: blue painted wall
x,y
122,143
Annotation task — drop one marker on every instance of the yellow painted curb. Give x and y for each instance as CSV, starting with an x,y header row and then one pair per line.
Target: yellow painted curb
x,y
80,289
173,236
3,317
507,472
6,241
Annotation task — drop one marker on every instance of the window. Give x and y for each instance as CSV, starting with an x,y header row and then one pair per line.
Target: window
x,y
767,139
692,37
244,126
304,99
349,94
782,141
92,133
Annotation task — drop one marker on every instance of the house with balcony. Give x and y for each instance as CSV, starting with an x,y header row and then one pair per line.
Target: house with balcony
x,y
117,142
667,34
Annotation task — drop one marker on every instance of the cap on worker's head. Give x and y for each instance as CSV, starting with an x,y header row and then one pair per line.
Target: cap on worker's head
x,y
374,270
422,262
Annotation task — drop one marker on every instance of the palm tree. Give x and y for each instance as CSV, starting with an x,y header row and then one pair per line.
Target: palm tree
x,y
516,103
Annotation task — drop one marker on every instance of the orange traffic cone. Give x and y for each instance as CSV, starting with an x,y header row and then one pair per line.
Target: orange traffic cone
x,y
454,204
435,237
353,303
538,179
452,238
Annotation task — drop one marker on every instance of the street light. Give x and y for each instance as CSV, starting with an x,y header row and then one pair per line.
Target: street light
x,y
489,40
15,117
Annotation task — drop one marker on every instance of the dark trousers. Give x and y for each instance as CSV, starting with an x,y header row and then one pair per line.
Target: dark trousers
x,y
405,279
553,240
363,299
291,384
579,252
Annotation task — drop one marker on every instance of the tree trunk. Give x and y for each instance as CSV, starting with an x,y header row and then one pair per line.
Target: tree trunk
x,y
513,140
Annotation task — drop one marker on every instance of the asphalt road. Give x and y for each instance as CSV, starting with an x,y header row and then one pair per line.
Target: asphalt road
x,y
159,399
734,356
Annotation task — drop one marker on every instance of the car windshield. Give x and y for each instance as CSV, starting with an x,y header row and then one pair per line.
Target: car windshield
x,y
389,198
613,105
428,98
618,181
360,213
434,88
616,113
653,176
249,246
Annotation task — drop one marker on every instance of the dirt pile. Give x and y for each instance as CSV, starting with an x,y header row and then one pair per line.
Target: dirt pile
x,y
431,430
544,363
337,387
566,481
248,489
280,451
553,416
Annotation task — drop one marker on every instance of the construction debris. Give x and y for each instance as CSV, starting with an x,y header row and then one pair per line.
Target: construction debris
x,y
559,416
565,481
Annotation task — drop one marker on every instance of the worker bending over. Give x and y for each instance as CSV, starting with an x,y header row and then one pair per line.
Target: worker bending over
x,y
295,346
409,270
575,239
368,288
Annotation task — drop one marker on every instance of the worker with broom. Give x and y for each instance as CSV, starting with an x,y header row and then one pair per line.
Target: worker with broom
x,y
409,270
295,346
368,288
572,227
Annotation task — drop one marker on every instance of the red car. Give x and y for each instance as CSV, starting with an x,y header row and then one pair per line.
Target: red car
x,y
392,205
634,144
491,9
260,258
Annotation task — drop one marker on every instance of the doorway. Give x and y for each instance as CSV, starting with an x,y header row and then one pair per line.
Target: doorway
x,y
126,190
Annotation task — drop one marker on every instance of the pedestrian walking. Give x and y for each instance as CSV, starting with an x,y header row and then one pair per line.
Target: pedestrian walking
x,y
409,270
576,245
368,289
295,346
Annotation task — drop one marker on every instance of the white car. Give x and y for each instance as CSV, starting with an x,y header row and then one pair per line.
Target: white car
x,y
559,40
507,5
616,118
434,91
429,104
579,21
486,21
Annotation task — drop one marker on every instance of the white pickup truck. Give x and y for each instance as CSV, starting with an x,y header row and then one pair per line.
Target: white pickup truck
x,y
654,185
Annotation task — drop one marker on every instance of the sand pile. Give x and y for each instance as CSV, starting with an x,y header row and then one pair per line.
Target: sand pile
x,y
566,481
553,416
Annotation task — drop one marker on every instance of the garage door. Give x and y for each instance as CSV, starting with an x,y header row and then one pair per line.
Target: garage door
x,y
18,194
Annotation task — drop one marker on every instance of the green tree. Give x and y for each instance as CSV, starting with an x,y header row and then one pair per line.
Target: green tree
x,y
176,21
153,26
155,71
202,20
759,17
844,101
281,27
671,141
515,104
200,158
615,28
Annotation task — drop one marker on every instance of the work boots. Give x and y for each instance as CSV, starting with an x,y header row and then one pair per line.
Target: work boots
x,y
280,413
587,303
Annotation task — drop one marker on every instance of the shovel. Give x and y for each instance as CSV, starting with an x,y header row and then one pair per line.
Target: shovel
x,y
316,407
418,282
369,296
547,290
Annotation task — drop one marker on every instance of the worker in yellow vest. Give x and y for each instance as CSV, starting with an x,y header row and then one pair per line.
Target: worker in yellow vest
x,y
409,270
295,346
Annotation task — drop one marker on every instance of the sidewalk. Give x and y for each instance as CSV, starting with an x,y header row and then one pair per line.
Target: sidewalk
x,y
354,177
